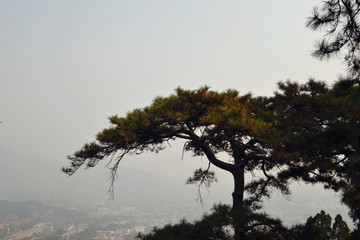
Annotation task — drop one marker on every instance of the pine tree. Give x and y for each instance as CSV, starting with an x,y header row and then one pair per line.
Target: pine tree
x,y
211,123
319,228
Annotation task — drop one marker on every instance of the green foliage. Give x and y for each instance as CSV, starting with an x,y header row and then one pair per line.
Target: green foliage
x,y
340,228
321,132
319,228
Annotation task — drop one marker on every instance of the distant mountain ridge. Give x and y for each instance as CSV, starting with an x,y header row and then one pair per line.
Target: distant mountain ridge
x,y
23,209
31,179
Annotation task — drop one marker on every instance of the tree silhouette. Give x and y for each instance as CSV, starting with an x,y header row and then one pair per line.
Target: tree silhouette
x,y
323,128
319,227
212,124
340,20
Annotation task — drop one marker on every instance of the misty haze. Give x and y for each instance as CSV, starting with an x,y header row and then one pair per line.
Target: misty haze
x,y
67,68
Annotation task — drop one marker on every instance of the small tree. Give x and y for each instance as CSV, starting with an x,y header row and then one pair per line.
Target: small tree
x,y
211,123
319,228
340,229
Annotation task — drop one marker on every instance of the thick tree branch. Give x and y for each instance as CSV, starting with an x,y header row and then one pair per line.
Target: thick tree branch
x,y
212,158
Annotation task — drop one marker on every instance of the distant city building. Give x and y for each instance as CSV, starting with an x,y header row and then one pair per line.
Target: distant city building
x,y
37,229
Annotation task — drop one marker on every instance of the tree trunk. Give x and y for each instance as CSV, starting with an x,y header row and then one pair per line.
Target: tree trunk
x,y
239,219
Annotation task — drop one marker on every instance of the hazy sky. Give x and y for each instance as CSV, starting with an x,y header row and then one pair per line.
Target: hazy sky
x,y
65,66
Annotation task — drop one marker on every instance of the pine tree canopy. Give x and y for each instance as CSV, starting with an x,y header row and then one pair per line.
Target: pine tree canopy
x,y
209,121
322,128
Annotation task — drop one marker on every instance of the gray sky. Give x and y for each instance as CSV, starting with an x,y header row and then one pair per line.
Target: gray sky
x,y
65,66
